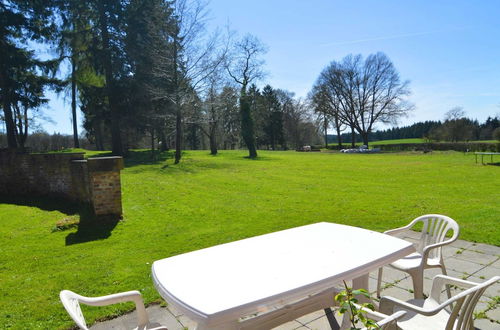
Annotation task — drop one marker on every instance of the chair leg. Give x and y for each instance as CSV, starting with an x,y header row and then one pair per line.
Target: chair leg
x,y
443,270
418,284
379,281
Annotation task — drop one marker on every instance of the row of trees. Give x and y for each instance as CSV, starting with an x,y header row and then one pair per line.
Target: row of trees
x,y
457,127
278,120
149,69
142,69
451,129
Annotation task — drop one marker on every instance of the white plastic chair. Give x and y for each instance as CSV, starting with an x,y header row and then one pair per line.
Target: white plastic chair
x,y
431,314
71,302
435,227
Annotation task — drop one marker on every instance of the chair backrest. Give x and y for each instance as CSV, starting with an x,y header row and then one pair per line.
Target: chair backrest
x,y
461,317
435,227
71,303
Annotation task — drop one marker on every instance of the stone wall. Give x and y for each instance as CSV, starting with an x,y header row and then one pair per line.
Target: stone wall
x,y
69,176
105,185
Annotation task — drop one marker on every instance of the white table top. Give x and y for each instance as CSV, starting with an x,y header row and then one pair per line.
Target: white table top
x,y
242,276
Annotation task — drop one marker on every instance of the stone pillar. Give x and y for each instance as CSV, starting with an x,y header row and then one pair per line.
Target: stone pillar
x,y
105,186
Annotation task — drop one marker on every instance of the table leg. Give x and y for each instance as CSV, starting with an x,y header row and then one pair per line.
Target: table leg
x,y
331,319
357,283
361,283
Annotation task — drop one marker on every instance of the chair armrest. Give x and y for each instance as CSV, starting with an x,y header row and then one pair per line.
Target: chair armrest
x,y
391,318
397,230
428,248
129,296
380,318
440,281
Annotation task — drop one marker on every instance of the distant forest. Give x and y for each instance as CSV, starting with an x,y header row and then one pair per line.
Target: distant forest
x,y
466,130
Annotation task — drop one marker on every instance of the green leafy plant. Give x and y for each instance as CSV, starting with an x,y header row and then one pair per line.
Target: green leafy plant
x,y
357,312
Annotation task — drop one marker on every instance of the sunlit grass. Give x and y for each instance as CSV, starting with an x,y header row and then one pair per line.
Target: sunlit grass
x,y
208,200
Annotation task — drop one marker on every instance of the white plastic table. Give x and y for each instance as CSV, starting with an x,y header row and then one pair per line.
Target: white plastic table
x,y
278,276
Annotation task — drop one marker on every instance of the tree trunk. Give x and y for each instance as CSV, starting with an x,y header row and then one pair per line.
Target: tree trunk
x,y
212,137
212,128
163,138
116,141
178,113
247,124
365,138
7,110
153,156
178,134
76,142
339,138
213,145
337,127
325,127
99,136
353,137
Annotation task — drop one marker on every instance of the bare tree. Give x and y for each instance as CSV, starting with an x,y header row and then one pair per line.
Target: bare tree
x,y
454,113
368,91
211,114
326,103
194,56
456,126
245,66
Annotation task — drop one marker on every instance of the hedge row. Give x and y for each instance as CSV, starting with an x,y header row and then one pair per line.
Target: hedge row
x,y
456,146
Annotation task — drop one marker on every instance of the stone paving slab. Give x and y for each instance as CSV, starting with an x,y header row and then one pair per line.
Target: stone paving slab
x,y
466,260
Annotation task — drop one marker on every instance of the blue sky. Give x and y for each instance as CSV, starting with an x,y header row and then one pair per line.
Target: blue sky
x,y
449,50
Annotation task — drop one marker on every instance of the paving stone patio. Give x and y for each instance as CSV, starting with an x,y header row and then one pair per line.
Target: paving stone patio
x,y
472,261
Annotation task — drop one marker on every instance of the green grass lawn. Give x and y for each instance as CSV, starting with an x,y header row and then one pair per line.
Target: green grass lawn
x,y
206,200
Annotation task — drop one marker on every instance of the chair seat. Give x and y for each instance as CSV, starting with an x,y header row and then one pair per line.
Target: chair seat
x,y
413,261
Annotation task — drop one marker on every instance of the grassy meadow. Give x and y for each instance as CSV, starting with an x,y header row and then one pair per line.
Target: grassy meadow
x,y
207,200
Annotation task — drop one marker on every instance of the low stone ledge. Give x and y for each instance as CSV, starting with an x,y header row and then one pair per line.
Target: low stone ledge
x,y
104,164
94,182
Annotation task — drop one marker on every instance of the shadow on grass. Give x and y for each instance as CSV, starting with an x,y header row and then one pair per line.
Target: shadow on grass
x,y
140,157
41,202
187,165
146,157
89,227
92,228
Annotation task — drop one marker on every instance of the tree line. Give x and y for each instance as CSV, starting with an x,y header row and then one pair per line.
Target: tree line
x,y
142,70
452,129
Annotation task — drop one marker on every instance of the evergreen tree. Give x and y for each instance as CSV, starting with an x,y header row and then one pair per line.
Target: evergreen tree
x,y
23,77
273,127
